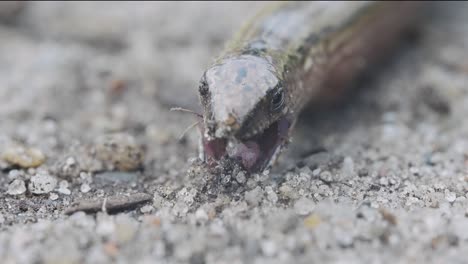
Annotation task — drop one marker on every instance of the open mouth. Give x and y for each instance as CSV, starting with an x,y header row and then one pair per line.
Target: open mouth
x,y
254,153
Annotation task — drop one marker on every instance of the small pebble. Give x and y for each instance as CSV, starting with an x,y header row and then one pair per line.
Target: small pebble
x,y
414,170
254,196
312,221
24,157
326,176
85,188
384,181
63,188
304,206
348,167
14,174
240,177
53,196
269,248
70,161
271,194
120,152
450,197
146,209
344,238
201,215
17,187
316,172
42,183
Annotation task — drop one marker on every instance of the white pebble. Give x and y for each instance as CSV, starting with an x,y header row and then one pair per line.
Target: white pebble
x,y
201,215
414,170
304,206
316,172
85,188
254,196
17,187
42,183
14,174
240,177
63,188
450,197
146,209
53,196
271,194
269,248
70,161
348,167
383,181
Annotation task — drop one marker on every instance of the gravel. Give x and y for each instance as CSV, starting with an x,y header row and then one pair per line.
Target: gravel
x,y
86,90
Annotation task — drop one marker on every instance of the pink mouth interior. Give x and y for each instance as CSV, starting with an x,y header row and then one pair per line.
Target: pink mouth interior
x,y
255,153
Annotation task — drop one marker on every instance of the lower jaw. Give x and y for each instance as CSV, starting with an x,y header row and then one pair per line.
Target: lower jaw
x,y
255,154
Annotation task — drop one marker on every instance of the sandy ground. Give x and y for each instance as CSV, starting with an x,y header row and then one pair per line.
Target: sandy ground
x,y
85,90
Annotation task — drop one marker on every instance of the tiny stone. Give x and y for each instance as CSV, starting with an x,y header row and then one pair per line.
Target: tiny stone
x,y
201,215
344,239
439,186
363,172
348,167
70,161
269,248
450,197
83,175
287,191
86,177
53,196
16,187
85,188
120,152
326,176
64,191
316,172
14,174
24,157
63,184
240,177
312,221
42,183
414,170
63,188
225,179
146,209
304,206
271,195
2,219
384,181
254,196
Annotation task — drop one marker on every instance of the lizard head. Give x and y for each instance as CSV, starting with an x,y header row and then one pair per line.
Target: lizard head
x,y
245,115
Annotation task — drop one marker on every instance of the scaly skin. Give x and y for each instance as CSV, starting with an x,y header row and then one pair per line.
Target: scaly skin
x,y
289,55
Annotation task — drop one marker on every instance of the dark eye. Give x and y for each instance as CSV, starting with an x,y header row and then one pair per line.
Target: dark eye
x,y
203,88
277,100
